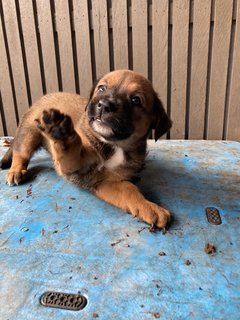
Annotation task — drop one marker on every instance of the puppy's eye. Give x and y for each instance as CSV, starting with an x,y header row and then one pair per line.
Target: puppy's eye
x,y
136,101
101,88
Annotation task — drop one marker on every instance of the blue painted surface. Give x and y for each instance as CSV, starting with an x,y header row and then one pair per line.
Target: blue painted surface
x,y
64,239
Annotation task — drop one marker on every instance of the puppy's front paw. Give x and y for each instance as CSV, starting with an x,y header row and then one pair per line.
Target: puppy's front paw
x,y
15,177
152,213
55,125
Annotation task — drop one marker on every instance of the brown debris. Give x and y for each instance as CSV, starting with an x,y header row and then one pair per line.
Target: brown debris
x,y
29,190
161,253
210,248
95,315
21,239
117,242
187,262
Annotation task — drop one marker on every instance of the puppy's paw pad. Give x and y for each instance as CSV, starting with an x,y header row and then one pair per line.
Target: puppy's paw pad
x,y
15,177
55,124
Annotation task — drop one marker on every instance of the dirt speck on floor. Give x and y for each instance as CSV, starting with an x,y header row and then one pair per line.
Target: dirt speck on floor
x,y
209,248
187,262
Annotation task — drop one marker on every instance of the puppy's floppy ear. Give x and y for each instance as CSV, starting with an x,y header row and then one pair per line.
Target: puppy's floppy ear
x,y
161,122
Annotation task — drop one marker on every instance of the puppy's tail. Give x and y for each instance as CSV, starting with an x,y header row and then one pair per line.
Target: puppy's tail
x,y
6,161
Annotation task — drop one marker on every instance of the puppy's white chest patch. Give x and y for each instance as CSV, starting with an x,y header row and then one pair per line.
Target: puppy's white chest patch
x,y
116,159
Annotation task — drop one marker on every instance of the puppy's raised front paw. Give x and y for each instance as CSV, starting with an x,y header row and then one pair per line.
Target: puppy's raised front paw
x,y
15,177
55,125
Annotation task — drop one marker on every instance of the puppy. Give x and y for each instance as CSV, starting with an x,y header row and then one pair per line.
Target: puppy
x,y
98,144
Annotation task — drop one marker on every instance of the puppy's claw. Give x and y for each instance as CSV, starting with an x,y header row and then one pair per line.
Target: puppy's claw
x,y
15,177
39,126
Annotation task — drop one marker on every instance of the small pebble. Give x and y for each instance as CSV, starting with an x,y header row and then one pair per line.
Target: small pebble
x,y
187,262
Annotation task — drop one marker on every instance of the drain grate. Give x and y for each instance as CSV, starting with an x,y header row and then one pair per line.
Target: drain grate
x,y
213,215
62,300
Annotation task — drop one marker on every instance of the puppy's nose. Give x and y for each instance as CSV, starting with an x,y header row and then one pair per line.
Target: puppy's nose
x,y
107,106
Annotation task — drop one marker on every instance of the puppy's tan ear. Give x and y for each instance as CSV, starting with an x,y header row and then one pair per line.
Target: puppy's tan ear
x,y
161,123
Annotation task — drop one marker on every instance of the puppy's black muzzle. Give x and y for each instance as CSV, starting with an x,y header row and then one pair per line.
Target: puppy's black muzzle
x,y
106,106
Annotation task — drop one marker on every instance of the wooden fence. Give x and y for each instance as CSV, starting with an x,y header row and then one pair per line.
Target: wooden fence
x,y
190,49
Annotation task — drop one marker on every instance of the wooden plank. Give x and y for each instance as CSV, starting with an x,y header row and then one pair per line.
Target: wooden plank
x,y
47,45
219,68
160,48
15,52
101,42
31,49
63,27
120,34
233,125
200,46
82,29
6,90
179,67
140,36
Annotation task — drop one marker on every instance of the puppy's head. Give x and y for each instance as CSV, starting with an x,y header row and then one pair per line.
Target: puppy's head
x,y
124,105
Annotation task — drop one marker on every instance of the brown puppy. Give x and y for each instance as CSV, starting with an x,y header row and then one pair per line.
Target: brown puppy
x,y
99,144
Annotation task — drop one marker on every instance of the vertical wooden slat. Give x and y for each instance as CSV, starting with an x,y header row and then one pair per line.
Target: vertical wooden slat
x,y
120,34
82,29
200,46
47,45
101,42
31,49
160,25
179,67
6,89
15,52
140,36
233,125
219,67
65,45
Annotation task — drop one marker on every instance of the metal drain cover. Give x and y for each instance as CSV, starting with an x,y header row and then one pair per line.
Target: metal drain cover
x,y
62,300
213,215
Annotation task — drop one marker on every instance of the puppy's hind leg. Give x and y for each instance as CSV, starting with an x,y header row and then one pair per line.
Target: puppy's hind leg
x,y
6,160
25,143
